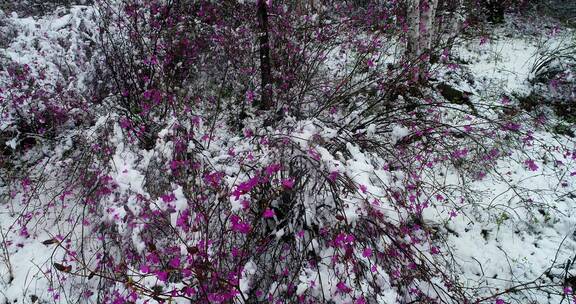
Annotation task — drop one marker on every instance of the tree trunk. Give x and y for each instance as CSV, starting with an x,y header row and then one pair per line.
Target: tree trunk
x,y
265,67
413,16
428,14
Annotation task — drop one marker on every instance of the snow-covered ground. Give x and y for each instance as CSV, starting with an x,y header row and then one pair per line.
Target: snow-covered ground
x,y
517,229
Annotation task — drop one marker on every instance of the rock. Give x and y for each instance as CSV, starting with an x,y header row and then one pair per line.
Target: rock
x,y
456,96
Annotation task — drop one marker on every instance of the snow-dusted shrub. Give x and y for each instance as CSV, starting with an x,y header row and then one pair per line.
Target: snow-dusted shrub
x,y
552,75
565,11
27,8
7,31
42,92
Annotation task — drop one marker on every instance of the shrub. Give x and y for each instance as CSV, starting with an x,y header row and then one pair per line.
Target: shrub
x,y
178,186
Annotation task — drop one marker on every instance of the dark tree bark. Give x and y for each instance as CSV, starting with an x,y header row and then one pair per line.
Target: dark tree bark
x,y
265,67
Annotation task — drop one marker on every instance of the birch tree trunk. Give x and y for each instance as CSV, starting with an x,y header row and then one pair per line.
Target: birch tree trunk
x,y
427,16
413,16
